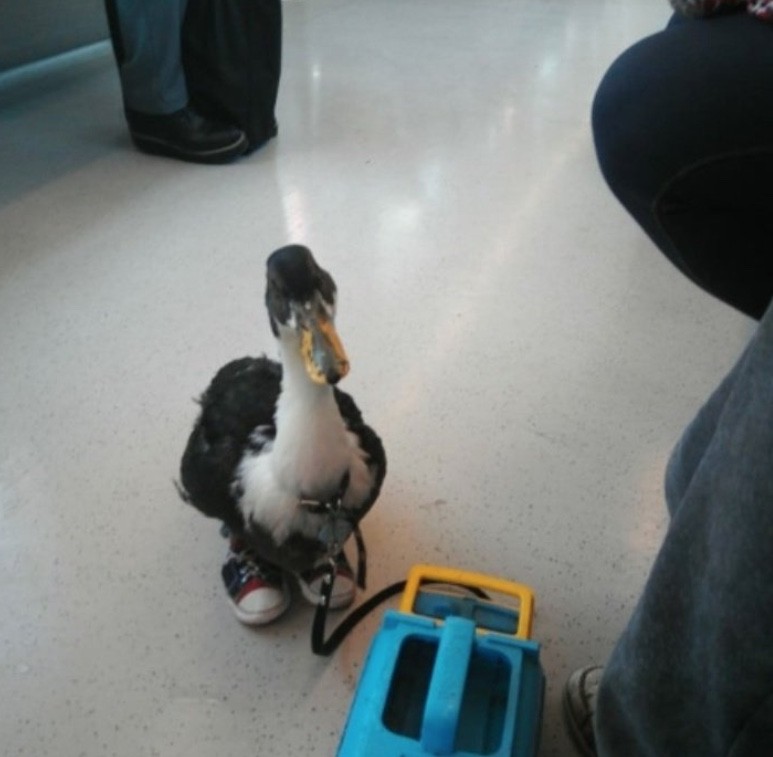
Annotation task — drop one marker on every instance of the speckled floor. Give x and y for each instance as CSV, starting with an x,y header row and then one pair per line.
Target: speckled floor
x,y
526,355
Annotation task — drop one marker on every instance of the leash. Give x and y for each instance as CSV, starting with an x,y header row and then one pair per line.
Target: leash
x,y
324,647
335,532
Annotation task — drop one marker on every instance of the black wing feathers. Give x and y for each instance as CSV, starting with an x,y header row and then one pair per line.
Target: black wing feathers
x,y
242,395
369,441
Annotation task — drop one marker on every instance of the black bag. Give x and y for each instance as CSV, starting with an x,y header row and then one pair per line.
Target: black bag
x,y
232,55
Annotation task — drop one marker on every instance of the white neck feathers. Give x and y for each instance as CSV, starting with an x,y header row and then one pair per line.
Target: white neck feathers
x,y
311,451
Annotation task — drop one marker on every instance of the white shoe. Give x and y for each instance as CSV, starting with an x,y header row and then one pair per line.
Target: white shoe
x,y
344,586
257,590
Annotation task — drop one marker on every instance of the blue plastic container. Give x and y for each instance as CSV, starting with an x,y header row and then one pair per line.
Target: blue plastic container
x,y
451,677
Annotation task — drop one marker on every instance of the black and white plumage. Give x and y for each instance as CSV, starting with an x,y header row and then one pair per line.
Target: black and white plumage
x,y
272,436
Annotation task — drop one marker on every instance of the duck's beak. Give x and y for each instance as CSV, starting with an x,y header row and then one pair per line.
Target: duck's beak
x,y
323,354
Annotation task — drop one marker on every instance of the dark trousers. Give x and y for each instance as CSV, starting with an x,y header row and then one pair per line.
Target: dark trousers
x,y
683,123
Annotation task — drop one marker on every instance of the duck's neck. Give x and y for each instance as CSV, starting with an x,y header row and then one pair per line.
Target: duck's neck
x,y
298,390
309,429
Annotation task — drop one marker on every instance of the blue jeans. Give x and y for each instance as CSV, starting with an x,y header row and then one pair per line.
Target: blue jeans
x,y
683,123
146,37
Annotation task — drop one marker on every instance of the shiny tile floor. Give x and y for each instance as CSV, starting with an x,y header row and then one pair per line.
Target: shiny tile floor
x,y
526,355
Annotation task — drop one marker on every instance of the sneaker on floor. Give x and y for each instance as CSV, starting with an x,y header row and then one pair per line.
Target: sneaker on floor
x,y
257,590
344,586
580,707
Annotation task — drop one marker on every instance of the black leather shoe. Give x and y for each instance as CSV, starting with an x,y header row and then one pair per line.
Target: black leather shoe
x,y
186,135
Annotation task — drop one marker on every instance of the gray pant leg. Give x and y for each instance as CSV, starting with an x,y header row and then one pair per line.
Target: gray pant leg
x,y
689,451
692,675
150,65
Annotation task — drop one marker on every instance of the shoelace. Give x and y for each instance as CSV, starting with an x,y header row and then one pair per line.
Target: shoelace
x,y
250,567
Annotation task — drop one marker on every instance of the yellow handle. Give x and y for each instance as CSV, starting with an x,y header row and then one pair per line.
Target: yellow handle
x,y
423,573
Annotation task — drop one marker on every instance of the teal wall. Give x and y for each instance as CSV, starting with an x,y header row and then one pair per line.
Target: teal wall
x,y
34,29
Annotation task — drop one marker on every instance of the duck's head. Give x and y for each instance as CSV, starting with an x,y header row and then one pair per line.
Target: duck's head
x,y
301,302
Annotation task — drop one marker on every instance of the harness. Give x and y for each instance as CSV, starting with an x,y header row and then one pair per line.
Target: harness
x,y
337,529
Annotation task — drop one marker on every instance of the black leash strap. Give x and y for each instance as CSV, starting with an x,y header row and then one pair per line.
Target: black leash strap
x,y
362,560
326,647
323,647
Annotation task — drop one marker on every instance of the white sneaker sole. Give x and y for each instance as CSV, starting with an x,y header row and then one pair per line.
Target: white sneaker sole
x,y
264,617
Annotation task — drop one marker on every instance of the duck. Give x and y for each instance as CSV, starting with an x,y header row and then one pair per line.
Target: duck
x,y
278,453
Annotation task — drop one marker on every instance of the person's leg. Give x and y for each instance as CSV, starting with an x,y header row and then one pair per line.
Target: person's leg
x,y
687,455
684,132
683,126
693,672
581,690
146,41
